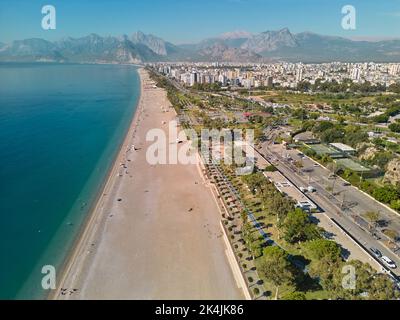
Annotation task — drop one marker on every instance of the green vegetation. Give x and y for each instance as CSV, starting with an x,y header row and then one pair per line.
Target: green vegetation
x,y
320,99
212,87
298,227
387,193
395,127
300,237
334,87
277,268
295,296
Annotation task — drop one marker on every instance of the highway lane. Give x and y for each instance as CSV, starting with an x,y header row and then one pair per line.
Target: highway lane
x,y
351,197
360,203
331,207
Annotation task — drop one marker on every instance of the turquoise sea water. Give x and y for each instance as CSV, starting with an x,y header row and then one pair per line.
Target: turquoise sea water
x,y
61,127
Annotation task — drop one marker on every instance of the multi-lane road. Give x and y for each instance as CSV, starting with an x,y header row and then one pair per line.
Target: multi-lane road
x,y
345,204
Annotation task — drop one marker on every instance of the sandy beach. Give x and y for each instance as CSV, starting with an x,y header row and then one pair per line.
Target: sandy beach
x,y
154,233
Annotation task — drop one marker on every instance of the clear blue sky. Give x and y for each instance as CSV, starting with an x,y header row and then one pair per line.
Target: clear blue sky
x,y
181,21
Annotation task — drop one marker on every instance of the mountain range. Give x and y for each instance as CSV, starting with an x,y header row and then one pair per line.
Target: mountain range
x,y
239,46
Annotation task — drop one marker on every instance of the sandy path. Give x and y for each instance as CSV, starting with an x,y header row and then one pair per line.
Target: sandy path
x,y
150,245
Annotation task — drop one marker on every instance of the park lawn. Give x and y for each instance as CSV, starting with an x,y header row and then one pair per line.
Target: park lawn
x,y
302,98
317,295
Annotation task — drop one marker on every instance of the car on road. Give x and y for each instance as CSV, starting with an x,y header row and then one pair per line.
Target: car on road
x,y
316,165
311,189
376,253
388,262
346,184
376,236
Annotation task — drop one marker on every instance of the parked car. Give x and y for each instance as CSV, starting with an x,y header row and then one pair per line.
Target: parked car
x,y
388,262
376,252
346,184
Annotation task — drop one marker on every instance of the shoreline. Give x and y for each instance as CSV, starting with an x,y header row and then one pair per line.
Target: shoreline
x,y
154,233
88,225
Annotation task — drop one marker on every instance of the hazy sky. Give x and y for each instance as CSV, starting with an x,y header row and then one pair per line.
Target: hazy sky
x,y
181,21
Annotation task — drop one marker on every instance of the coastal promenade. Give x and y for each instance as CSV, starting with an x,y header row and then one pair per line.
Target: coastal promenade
x,y
154,233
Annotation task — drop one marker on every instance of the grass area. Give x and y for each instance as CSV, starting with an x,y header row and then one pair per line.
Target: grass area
x,y
298,99
317,295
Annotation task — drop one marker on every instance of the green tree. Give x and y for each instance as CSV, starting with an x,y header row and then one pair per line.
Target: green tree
x,y
298,227
386,194
381,159
395,87
383,118
353,138
276,268
395,204
256,182
395,127
280,206
323,126
332,135
382,288
326,262
369,285
299,113
320,248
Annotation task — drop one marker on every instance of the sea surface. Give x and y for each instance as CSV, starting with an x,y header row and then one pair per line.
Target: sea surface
x,y
61,127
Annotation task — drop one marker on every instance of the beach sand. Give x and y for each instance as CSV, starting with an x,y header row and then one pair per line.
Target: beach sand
x,y
154,233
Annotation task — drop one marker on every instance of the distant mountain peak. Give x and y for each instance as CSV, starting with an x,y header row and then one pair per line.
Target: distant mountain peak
x,y
154,43
284,30
270,40
221,52
280,31
236,46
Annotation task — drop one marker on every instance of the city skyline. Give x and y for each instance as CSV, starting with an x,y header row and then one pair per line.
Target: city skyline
x,y
179,21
